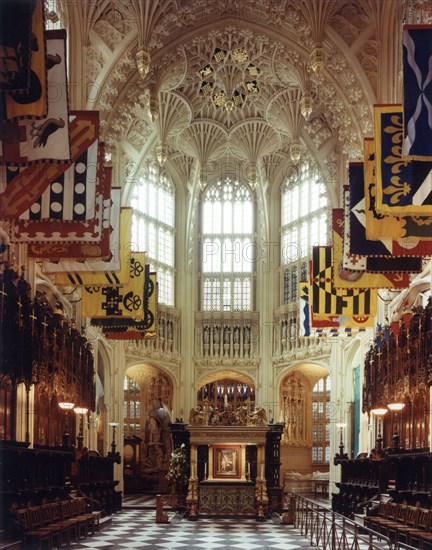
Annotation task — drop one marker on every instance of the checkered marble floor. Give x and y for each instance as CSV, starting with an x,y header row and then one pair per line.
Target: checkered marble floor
x,y
136,528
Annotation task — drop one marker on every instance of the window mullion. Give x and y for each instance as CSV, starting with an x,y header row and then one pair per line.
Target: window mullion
x,y
230,199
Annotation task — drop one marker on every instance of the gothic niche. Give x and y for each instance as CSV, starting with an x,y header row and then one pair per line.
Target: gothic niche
x,y
147,437
294,408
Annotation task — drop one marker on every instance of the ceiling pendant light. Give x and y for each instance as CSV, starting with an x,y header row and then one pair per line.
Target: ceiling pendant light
x,y
317,58
153,110
161,154
142,58
295,150
306,105
252,174
203,180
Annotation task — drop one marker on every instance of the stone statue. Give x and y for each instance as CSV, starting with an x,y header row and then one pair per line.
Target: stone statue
x,y
241,415
196,415
258,417
154,430
283,332
293,329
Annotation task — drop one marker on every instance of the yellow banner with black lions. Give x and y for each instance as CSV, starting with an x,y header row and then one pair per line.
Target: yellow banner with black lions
x,y
118,302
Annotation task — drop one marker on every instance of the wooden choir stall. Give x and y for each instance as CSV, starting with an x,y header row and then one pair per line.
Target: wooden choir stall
x,y
47,394
396,398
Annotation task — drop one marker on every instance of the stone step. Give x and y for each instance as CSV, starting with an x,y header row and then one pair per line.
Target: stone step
x,y
105,522
359,518
10,544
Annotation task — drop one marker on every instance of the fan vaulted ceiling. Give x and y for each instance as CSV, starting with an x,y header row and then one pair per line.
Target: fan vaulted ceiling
x,y
233,85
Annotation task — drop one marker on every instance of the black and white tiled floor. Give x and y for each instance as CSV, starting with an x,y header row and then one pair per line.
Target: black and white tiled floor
x,y
136,528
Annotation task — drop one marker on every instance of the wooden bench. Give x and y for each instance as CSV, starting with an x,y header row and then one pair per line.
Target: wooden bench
x,y
373,521
69,527
33,535
56,523
411,534
71,511
395,518
421,536
401,523
406,521
80,511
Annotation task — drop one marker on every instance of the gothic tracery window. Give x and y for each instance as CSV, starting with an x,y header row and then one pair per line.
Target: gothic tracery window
x,y
228,247
153,228
321,421
303,224
131,407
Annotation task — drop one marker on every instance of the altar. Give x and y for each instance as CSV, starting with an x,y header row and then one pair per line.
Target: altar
x,y
228,467
226,498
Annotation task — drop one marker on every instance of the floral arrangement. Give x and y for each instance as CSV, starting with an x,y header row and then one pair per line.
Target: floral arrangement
x,y
178,467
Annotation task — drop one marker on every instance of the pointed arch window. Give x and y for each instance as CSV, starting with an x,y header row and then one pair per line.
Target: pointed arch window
x,y
131,407
321,421
153,201
304,223
228,248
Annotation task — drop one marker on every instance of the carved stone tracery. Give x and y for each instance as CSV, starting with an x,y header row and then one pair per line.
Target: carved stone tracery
x,y
294,408
340,92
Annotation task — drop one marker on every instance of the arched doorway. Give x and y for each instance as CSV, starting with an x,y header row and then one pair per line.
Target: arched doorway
x,y
147,407
224,398
303,399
